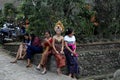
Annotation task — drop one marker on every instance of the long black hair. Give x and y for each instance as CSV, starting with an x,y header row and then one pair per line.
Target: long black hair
x,y
68,31
33,36
24,40
48,31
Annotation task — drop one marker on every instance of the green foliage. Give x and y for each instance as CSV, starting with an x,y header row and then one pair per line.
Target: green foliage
x,y
43,14
109,17
2,19
9,10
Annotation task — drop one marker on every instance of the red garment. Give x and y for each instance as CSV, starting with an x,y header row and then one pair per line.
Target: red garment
x,y
50,41
60,60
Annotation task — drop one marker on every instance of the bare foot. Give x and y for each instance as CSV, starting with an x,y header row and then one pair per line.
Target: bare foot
x,y
70,75
38,68
74,78
59,72
44,72
22,57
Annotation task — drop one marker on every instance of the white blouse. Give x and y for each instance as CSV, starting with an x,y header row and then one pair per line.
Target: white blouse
x,y
70,40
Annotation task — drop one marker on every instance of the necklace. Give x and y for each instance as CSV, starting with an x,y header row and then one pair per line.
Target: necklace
x,y
58,38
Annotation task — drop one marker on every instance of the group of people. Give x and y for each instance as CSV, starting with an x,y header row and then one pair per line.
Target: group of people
x,y
63,49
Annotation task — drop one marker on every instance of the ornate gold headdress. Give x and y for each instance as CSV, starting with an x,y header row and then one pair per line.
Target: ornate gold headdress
x,y
59,26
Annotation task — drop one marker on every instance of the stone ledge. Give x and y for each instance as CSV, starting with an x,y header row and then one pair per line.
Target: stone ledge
x,y
13,43
84,47
51,63
99,46
98,61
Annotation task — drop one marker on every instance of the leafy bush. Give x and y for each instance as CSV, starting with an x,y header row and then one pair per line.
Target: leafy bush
x,y
90,23
43,15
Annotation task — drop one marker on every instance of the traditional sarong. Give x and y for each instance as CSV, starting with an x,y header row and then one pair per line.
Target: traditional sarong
x,y
72,60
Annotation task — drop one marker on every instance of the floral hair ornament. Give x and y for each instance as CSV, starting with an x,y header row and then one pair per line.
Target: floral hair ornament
x,y
59,26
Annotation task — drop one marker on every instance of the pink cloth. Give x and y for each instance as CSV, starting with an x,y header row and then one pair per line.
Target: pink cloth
x,y
73,48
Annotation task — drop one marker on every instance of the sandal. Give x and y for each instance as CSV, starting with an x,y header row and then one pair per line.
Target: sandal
x,y
13,62
28,66
37,68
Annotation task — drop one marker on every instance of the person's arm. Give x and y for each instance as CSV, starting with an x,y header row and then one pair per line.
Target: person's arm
x,y
49,42
53,45
62,45
66,45
75,47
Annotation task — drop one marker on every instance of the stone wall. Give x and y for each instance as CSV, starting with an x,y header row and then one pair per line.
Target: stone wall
x,y
94,59
99,58
99,62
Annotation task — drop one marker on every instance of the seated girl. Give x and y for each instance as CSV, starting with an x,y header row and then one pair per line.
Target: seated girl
x,y
47,44
58,46
22,48
35,47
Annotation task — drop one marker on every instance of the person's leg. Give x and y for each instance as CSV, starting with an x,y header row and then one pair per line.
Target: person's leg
x,y
24,53
57,57
68,61
73,67
42,61
59,71
60,60
29,63
43,58
70,75
37,49
30,51
44,70
21,50
76,67
29,55
17,55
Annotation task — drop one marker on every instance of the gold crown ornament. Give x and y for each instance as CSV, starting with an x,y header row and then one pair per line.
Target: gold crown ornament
x,y
59,26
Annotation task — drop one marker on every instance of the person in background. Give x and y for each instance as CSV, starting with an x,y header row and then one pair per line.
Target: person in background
x,y
22,48
47,45
58,46
70,53
23,29
35,47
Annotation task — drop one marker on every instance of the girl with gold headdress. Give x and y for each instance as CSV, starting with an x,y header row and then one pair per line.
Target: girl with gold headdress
x,y
58,46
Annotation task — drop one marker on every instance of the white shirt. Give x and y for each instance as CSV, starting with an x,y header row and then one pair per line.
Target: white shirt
x,y
70,40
